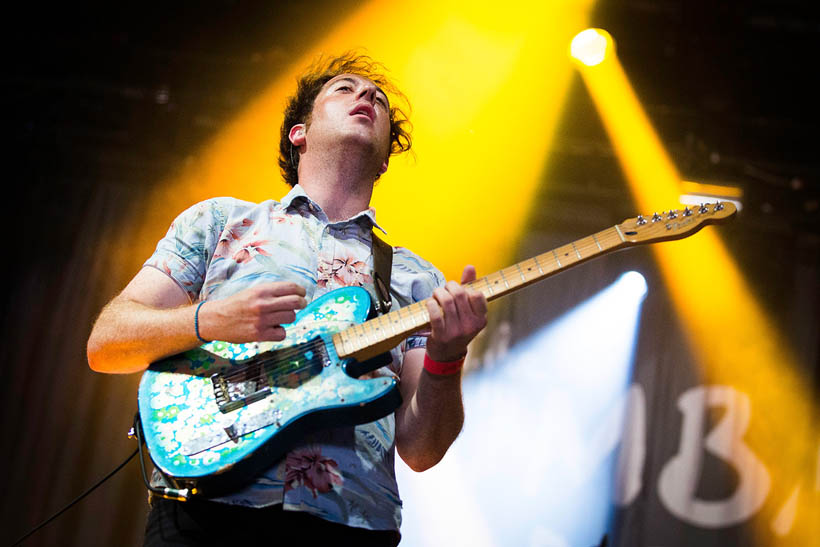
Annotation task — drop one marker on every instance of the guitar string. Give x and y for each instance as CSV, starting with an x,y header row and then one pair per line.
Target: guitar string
x,y
582,246
260,376
290,351
262,370
589,246
277,358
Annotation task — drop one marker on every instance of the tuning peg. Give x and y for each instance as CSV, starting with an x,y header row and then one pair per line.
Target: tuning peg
x,y
687,212
672,214
703,209
656,217
718,206
641,220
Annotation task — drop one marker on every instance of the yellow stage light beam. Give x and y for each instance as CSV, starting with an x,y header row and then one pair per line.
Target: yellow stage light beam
x,y
486,85
732,338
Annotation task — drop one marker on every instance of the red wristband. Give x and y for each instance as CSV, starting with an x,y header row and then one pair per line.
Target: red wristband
x,y
442,369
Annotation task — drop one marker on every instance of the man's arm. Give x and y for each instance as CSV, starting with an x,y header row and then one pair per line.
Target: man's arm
x,y
153,318
432,413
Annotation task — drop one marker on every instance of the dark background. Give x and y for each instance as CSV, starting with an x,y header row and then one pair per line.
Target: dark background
x,y
102,104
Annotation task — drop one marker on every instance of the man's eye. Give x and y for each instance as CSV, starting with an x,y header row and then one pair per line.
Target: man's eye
x,y
381,102
344,87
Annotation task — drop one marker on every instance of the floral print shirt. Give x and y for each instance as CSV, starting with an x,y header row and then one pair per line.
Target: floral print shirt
x,y
223,245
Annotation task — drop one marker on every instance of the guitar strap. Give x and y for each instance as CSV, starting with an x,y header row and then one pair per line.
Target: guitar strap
x,y
382,268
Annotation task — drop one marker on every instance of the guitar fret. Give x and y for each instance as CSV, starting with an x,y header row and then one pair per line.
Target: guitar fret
x,y
576,251
595,239
609,236
535,259
566,252
344,338
504,278
377,328
350,341
489,287
361,336
529,264
521,273
409,318
420,315
619,233
558,260
365,332
497,277
402,313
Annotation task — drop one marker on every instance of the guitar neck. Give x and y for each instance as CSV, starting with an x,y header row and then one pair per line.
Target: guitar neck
x,y
382,333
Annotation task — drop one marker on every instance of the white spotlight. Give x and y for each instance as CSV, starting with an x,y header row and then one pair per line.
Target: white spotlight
x,y
634,283
591,46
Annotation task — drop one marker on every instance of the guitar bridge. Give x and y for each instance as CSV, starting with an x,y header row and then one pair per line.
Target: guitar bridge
x,y
232,396
287,367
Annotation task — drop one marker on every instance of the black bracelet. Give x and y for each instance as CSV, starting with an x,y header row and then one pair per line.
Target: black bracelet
x,y
196,323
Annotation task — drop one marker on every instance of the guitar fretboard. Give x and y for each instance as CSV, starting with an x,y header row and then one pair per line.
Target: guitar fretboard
x,y
380,334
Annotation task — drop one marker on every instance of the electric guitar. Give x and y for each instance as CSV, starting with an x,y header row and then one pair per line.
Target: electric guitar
x,y
216,416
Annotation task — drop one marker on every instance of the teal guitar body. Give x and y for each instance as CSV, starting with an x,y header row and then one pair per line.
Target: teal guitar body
x,y
216,416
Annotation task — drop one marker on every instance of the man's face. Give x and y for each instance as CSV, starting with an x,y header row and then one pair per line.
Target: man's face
x,y
351,108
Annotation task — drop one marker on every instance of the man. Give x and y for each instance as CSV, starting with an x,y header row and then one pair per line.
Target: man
x,y
236,271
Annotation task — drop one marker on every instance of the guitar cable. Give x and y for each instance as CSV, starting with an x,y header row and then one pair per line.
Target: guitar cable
x,y
77,499
167,493
135,433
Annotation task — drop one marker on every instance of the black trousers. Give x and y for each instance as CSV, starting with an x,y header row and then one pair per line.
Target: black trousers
x,y
173,523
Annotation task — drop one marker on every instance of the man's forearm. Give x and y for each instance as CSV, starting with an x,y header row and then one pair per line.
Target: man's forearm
x,y
430,421
128,336
152,318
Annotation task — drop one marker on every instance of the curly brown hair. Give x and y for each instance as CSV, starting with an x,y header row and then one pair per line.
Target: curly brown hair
x,y
299,106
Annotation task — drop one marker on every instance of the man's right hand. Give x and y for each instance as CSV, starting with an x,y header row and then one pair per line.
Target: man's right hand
x,y
253,315
152,318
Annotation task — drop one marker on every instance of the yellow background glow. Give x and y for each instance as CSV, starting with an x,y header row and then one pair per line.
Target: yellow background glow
x,y
486,85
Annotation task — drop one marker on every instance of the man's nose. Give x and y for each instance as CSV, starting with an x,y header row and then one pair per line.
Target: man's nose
x,y
368,92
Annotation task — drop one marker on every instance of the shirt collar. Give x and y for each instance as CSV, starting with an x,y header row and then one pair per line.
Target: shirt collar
x,y
297,194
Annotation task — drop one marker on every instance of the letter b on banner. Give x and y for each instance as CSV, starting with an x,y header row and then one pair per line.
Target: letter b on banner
x,y
679,477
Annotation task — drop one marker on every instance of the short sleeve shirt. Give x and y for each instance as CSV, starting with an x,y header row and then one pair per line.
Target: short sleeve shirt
x,y
221,246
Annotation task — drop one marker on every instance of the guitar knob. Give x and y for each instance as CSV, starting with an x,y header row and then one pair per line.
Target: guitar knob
x,y
718,206
656,217
687,212
703,209
641,220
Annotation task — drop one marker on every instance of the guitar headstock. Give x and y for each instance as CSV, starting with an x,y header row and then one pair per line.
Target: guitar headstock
x,y
676,223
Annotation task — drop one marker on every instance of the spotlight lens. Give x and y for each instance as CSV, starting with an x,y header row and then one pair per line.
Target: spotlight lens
x,y
635,283
590,46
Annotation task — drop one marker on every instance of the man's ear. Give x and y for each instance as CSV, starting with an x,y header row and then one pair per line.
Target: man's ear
x,y
383,168
297,135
